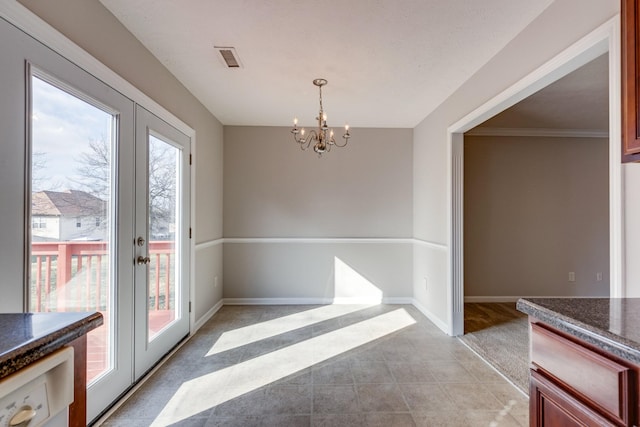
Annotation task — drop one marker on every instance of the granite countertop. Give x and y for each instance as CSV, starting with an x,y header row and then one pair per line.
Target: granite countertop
x,y
26,337
611,324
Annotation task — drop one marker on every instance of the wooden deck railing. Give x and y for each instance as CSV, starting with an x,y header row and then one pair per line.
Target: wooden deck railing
x,y
68,276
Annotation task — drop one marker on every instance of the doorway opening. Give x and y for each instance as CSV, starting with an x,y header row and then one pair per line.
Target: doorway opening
x,y
603,40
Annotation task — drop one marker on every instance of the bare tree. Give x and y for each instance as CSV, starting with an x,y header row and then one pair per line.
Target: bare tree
x,y
162,187
40,180
94,172
94,169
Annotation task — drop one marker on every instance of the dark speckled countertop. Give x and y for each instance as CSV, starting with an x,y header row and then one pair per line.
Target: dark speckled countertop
x,y
26,337
611,324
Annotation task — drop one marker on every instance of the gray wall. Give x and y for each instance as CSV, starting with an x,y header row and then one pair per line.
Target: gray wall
x,y
563,23
87,23
535,208
275,191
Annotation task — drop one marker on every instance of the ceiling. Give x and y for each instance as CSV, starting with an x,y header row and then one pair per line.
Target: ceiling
x,y
578,101
389,63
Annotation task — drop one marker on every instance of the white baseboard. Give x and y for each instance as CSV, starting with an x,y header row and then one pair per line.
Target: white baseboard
x,y
398,300
276,301
436,321
208,315
515,299
492,299
315,301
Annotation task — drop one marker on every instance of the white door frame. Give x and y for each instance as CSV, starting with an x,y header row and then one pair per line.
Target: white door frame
x,y
605,38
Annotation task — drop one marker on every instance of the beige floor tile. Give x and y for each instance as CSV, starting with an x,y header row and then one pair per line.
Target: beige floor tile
x,y
339,420
414,376
463,419
426,397
240,421
333,373
471,396
449,371
507,394
335,399
481,371
410,372
389,420
298,378
365,371
381,398
286,421
247,404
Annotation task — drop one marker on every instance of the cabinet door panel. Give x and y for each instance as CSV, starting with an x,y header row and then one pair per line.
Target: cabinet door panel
x,y
552,406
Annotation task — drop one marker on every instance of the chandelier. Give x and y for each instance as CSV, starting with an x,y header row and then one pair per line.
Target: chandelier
x,y
322,138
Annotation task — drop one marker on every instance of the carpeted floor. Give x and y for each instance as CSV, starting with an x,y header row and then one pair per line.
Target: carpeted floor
x,y
500,335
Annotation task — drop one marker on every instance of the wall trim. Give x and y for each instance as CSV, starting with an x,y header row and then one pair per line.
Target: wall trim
x,y
406,240
315,301
208,315
432,317
208,244
538,133
396,240
316,240
430,244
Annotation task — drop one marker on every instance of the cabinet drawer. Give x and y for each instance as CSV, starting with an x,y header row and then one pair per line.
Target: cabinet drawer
x,y
598,380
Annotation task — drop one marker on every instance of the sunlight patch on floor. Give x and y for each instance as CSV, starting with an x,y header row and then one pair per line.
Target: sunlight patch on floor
x,y
260,331
210,390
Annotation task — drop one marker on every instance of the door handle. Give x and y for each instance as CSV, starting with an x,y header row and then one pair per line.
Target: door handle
x,y
143,260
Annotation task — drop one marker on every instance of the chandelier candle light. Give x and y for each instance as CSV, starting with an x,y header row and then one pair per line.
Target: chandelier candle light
x,y
322,138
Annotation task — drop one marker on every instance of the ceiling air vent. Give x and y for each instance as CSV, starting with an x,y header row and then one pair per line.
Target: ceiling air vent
x,y
229,56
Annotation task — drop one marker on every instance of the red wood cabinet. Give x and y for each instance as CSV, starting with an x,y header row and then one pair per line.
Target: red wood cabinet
x,y
576,384
630,38
78,409
551,405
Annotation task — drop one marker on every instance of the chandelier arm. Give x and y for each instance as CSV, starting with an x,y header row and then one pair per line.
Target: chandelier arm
x,y
346,140
305,142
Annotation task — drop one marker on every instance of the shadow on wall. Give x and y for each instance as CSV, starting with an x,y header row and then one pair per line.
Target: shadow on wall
x,y
348,286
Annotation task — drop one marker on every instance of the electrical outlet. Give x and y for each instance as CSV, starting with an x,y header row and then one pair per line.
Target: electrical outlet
x,y
426,287
599,276
572,276
215,282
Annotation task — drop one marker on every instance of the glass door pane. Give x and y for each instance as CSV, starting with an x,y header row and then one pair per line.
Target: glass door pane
x,y
162,239
164,219
72,260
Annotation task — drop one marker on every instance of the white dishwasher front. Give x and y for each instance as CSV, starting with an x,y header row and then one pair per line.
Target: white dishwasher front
x,y
39,394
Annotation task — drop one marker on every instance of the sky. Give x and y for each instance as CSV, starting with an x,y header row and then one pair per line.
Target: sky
x,y
62,128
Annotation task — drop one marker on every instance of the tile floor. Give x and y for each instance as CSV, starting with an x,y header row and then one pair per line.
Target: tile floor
x,y
382,365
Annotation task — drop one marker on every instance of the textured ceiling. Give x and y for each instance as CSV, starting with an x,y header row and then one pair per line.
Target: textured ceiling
x,y
578,101
389,63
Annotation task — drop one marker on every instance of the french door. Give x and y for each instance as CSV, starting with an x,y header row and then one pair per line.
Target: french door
x,y
107,212
162,239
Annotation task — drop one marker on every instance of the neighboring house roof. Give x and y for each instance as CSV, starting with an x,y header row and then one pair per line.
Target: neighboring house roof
x,y
66,203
